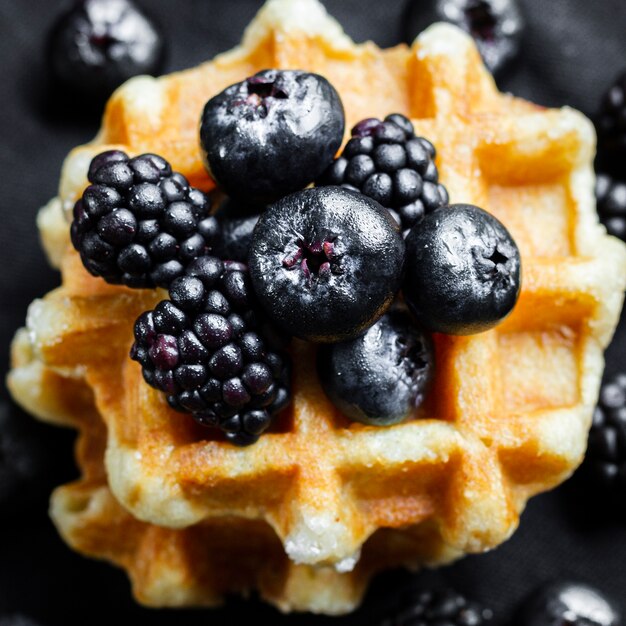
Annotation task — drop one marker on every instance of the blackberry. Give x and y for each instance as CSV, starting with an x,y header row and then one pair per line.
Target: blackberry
x,y
605,462
211,352
387,162
436,608
138,223
611,204
611,127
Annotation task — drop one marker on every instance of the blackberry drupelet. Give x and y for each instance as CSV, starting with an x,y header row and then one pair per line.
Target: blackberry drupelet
x,y
138,223
605,461
611,204
436,608
387,162
611,127
211,352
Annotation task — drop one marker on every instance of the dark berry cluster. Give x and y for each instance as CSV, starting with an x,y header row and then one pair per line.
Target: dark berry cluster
x,y
325,263
611,204
206,349
435,608
387,162
138,223
605,462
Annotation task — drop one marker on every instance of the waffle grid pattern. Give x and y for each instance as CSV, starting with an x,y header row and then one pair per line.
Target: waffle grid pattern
x,y
312,510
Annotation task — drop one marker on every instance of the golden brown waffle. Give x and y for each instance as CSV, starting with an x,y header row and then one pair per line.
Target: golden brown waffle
x,y
312,510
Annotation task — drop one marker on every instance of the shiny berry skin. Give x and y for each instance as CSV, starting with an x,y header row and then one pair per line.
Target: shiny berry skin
x,y
208,349
611,204
495,25
574,604
251,132
138,223
326,263
381,376
99,44
386,161
463,271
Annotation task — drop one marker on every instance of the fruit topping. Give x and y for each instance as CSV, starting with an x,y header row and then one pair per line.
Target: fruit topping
x,y
138,223
574,604
381,376
99,44
463,270
611,204
326,263
208,349
271,134
387,162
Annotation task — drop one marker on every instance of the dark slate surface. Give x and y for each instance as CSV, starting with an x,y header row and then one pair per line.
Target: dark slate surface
x,y
571,52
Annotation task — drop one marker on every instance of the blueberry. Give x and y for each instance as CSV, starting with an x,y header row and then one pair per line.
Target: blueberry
x,y
495,25
569,603
99,44
326,263
381,376
252,131
463,270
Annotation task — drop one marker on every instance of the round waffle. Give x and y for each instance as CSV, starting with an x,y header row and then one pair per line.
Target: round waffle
x,y
319,504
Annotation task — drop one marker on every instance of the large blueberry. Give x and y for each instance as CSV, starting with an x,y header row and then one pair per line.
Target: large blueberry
x,y
381,376
271,134
326,263
463,270
574,604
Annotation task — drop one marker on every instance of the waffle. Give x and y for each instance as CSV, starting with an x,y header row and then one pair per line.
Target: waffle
x,y
309,513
